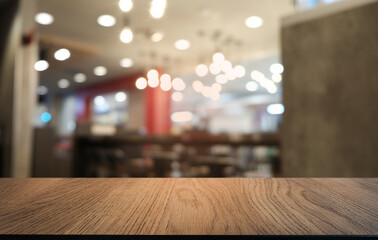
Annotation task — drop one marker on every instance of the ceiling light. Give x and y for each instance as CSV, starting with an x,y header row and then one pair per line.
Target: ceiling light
x,y
165,82
197,86
153,74
216,87
141,83
275,109
125,5
153,78
230,75
62,54
276,68
63,83
202,70
166,85
80,77
206,91
257,76
120,97
272,89
178,84
251,86
239,71
99,100
254,22
215,68
42,90
179,117
276,77
41,65
153,81
126,35
177,97
221,78
157,37
44,18
126,62
226,66
182,44
165,78
157,8
269,85
218,58
100,71
106,20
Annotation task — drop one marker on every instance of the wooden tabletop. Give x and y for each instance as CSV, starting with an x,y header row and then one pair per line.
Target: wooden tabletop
x,y
189,206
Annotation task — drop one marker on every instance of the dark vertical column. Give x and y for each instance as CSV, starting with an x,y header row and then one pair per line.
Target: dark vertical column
x,y
10,37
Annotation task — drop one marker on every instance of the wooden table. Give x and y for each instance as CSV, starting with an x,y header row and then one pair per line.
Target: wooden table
x,y
189,206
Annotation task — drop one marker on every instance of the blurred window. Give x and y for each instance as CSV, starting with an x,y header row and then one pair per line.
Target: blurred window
x,y
110,108
310,4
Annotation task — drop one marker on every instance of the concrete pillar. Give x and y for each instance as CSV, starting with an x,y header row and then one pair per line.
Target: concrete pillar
x,y
330,91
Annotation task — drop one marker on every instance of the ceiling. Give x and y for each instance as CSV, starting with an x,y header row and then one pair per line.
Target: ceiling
x,y
209,25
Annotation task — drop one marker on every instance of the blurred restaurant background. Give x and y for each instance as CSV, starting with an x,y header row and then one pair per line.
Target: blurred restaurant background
x,y
199,88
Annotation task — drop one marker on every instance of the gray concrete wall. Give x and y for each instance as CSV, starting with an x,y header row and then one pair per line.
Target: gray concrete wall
x,y
330,93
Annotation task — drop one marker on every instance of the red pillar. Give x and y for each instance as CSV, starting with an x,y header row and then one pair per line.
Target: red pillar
x,y
158,111
82,109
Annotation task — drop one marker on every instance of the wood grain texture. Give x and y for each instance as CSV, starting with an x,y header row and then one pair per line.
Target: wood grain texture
x,y
189,206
